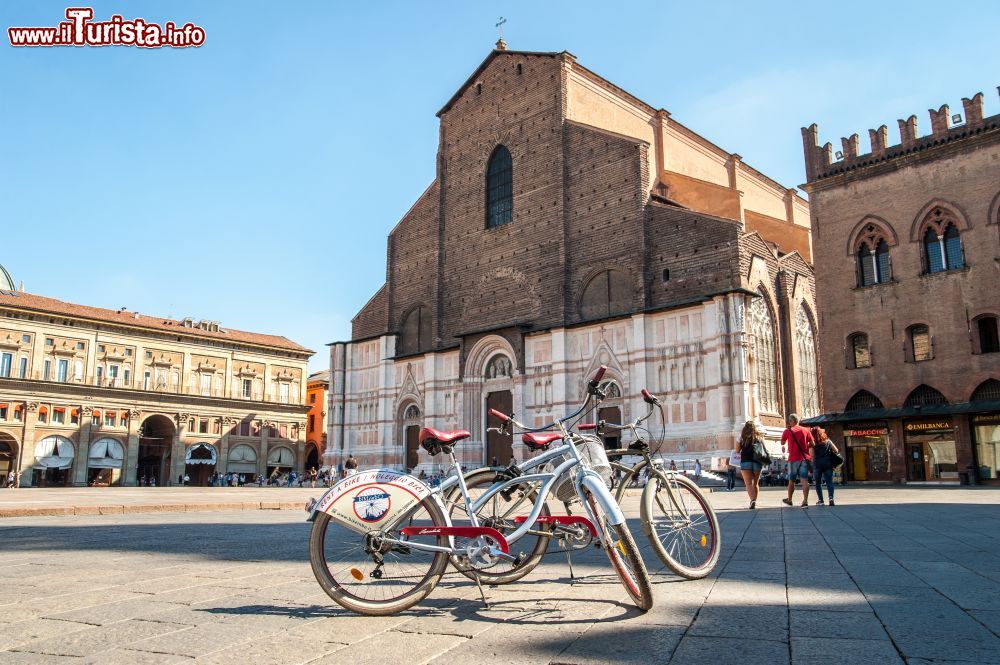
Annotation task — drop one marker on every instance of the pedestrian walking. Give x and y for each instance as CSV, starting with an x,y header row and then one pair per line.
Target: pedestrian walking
x,y
673,465
697,470
799,441
750,468
351,466
823,451
11,480
730,477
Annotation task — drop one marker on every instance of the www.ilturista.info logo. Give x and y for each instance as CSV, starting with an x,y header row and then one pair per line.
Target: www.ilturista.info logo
x,y
80,30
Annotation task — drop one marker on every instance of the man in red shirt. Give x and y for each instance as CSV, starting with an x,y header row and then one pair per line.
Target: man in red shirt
x,y
798,441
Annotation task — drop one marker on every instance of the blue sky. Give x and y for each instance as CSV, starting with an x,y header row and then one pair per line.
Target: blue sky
x,y
254,180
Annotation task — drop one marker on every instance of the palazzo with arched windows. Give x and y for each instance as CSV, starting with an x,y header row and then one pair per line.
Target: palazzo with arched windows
x,y
909,345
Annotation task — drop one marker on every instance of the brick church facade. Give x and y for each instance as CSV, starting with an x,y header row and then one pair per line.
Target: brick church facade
x,y
909,236
571,225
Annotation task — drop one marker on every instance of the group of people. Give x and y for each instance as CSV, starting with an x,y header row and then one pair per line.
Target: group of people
x,y
810,452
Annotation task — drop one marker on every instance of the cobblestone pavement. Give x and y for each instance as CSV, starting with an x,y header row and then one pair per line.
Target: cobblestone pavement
x,y
886,576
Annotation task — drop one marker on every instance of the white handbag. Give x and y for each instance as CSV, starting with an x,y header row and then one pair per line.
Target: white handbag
x,y
735,458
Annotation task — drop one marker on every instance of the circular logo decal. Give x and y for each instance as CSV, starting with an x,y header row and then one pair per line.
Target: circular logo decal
x,y
371,504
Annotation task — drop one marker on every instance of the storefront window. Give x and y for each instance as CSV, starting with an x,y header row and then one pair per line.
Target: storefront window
x,y
986,430
929,449
867,451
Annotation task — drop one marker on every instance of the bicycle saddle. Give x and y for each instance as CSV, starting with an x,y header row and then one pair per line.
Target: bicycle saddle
x,y
539,441
435,441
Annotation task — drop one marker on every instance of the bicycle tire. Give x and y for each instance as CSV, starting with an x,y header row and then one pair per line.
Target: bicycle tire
x,y
621,550
485,477
693,545
337,588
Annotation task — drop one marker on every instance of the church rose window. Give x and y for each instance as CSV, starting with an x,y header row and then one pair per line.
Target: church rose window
x,y
499,188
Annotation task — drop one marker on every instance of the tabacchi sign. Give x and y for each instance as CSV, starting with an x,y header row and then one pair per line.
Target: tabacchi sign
x,y
81,30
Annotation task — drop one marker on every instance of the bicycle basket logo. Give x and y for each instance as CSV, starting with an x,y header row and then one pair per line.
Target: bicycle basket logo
x,y
371,504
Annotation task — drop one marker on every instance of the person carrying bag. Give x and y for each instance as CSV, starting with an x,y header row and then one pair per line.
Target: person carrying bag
x,y
826,458
799,442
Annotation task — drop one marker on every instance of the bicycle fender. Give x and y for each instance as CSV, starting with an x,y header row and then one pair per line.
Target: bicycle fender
x,y
372,499
595,484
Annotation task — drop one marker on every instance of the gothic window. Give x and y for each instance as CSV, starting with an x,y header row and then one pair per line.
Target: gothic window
x,y
862,400
942,245
920,343
988,391
874,266
924,395
987,334
805,352
608,293
415,333
861,355
764,352
499,188
499,367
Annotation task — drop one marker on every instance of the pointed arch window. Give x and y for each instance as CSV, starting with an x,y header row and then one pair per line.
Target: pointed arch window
x,y
499,188
764,352
805,352
924,395
874,265
941,241
862,400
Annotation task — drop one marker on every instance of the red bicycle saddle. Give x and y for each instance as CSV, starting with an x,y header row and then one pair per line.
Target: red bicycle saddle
x,y
539,441
429,435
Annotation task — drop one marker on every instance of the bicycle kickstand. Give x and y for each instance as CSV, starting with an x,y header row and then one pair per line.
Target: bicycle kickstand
x,y
482,593
569,558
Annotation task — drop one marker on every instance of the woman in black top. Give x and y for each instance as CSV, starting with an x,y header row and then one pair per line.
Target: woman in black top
x,y
823,465
749,468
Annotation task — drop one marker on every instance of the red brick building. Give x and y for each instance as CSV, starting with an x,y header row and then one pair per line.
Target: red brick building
x,y
908,253
570,224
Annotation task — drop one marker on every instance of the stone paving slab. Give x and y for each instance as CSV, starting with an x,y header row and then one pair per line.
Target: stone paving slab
x,y
886,576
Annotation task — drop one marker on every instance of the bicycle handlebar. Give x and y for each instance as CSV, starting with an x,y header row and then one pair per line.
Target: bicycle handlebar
x,y
504,418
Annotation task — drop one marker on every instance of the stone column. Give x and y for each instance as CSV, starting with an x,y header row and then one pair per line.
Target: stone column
x,y
228,423
131,449
26,451
262,457
300,446
83,446
177,449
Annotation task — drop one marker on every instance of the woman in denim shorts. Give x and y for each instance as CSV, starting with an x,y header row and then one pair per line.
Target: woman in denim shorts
x,y
749,469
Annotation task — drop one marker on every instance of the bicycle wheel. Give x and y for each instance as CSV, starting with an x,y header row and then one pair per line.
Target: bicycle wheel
x,y
499,514
681,525
346,563
618,544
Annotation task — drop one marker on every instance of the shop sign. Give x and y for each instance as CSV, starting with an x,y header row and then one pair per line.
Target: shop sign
x,y
924,427
986,419
866,431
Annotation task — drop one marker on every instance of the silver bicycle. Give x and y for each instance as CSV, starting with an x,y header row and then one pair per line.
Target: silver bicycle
x,y
381,540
